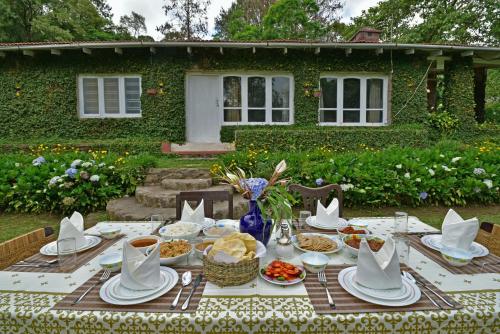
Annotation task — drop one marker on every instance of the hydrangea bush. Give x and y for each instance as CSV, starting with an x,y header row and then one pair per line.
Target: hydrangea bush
x,y
449,173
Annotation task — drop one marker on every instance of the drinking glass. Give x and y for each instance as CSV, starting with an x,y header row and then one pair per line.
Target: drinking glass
x,y
403,248
400,223
155,222
66,252
303,215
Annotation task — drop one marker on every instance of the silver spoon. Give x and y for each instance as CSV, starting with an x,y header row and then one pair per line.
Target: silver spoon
x,y
186,280
42,261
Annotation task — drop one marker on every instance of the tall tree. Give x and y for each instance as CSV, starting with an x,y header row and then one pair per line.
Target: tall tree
x,y
186,19
134,23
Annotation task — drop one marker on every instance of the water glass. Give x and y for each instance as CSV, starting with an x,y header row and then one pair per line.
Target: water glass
x,y
303,215
400,223
66,252
402,243
155,221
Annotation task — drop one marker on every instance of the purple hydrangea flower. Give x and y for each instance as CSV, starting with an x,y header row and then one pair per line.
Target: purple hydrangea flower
x,y
479,171
255,185
71,172
319,182
38,161
423,195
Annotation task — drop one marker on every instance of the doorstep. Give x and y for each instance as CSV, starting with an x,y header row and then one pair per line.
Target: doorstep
x,y
197,148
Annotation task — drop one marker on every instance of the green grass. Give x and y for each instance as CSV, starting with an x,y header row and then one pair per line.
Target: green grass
x,y
14,224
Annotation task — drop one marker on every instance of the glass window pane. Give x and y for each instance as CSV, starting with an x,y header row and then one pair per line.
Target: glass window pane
x,y
281,116
111,96
328,116
374,91
132,95
281,92
256,115
232,92
90,96
351,116
256,92
374,116
328,93
351,93
232,115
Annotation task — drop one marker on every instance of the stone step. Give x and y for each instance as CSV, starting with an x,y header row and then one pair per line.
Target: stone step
x,y
156,196
180,173
128,208
186,184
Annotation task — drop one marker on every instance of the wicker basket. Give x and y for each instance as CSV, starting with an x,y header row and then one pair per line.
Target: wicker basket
x,y
489,236
223,274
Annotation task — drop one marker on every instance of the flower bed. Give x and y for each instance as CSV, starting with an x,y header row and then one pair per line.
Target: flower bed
x,y
449,173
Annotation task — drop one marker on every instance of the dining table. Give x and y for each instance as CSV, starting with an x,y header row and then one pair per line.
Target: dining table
x,y
28,299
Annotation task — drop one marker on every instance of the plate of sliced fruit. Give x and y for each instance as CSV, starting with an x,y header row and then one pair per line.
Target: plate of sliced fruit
x,y
283,273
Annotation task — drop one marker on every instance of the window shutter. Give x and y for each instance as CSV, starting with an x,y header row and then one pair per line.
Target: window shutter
x,y
90,96
132,95
111,96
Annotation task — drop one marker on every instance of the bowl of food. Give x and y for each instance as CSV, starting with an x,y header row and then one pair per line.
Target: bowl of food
x,y
200,247
456,257
144,242
358,223
180,230
314,262
109,232
174,251
112,261
353,241
346,230
219,230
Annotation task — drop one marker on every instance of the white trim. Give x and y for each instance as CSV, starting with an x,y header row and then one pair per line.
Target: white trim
x,y
100,95
268,105
362,99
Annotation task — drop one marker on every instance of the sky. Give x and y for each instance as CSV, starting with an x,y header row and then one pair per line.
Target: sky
x,y
152,11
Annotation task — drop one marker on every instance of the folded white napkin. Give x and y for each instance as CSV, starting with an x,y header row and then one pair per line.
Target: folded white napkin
x,y
194,216
328,216
457,232
73,228
139,271
378,270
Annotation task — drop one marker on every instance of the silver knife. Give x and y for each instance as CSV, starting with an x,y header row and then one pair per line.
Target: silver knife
x,y
197,282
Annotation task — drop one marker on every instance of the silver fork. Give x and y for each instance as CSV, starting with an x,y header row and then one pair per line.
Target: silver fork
x,y
323,282
104,277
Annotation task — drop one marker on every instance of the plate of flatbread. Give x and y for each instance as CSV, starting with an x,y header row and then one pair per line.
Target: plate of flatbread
x,y
317,242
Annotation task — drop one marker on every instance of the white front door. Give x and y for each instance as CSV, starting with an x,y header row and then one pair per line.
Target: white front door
x,y
203,118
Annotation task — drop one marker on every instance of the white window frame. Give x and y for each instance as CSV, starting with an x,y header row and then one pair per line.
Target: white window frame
x,y
362,91
100,94
269,104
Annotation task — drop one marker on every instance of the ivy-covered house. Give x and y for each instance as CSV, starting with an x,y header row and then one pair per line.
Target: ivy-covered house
x,y
201,91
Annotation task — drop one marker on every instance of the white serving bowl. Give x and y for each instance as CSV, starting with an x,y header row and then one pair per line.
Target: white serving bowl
x,y
145,248
225,229
342,235
112,261
456,257
180,230
354,251
314,262
199,253
167,261
109,232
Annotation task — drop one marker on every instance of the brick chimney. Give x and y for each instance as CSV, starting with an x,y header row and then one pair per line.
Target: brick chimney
x,y
366,35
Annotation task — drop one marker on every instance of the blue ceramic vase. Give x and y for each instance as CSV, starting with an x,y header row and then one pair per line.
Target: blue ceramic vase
x,y
253,224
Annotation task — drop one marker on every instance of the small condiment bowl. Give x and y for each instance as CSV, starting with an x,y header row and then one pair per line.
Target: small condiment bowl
x,y
207,242
109,232
112,261
355,251
342,235
145,248
456,257
358,224
314,262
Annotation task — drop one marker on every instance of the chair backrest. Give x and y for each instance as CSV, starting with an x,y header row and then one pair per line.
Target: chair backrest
x,y
489,236
310,196
209,197
21,247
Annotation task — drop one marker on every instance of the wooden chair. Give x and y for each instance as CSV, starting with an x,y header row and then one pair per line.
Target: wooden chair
x,y
310,196
489,236
209,197
19,248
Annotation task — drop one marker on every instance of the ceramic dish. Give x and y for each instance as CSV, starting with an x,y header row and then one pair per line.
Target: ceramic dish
x,y
341,234
311,221
334,238
300,278
456,257
354,251
433,241
135,241
180,230
167,261
112,261
50,249
219,230
110,232
199,252
314,262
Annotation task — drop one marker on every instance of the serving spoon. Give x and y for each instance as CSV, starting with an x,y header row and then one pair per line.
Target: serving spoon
x,y
186,280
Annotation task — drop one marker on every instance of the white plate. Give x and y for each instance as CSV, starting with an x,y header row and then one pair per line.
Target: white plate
x,y
335,238
50,249
311,221
284,283
346,282
117,291
434,241
104,292
386,294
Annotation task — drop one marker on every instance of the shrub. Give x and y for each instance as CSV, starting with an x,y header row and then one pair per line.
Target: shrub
x,y
449,173
64,181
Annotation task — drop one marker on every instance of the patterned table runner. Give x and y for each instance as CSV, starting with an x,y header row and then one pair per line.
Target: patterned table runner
x,y
92,302
346,303
484,264
81,259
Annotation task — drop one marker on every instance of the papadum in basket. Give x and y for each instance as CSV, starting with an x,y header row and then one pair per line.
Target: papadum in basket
x,y
229,274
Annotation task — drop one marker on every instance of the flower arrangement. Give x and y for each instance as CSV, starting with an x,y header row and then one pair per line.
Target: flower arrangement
x,y
271,195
